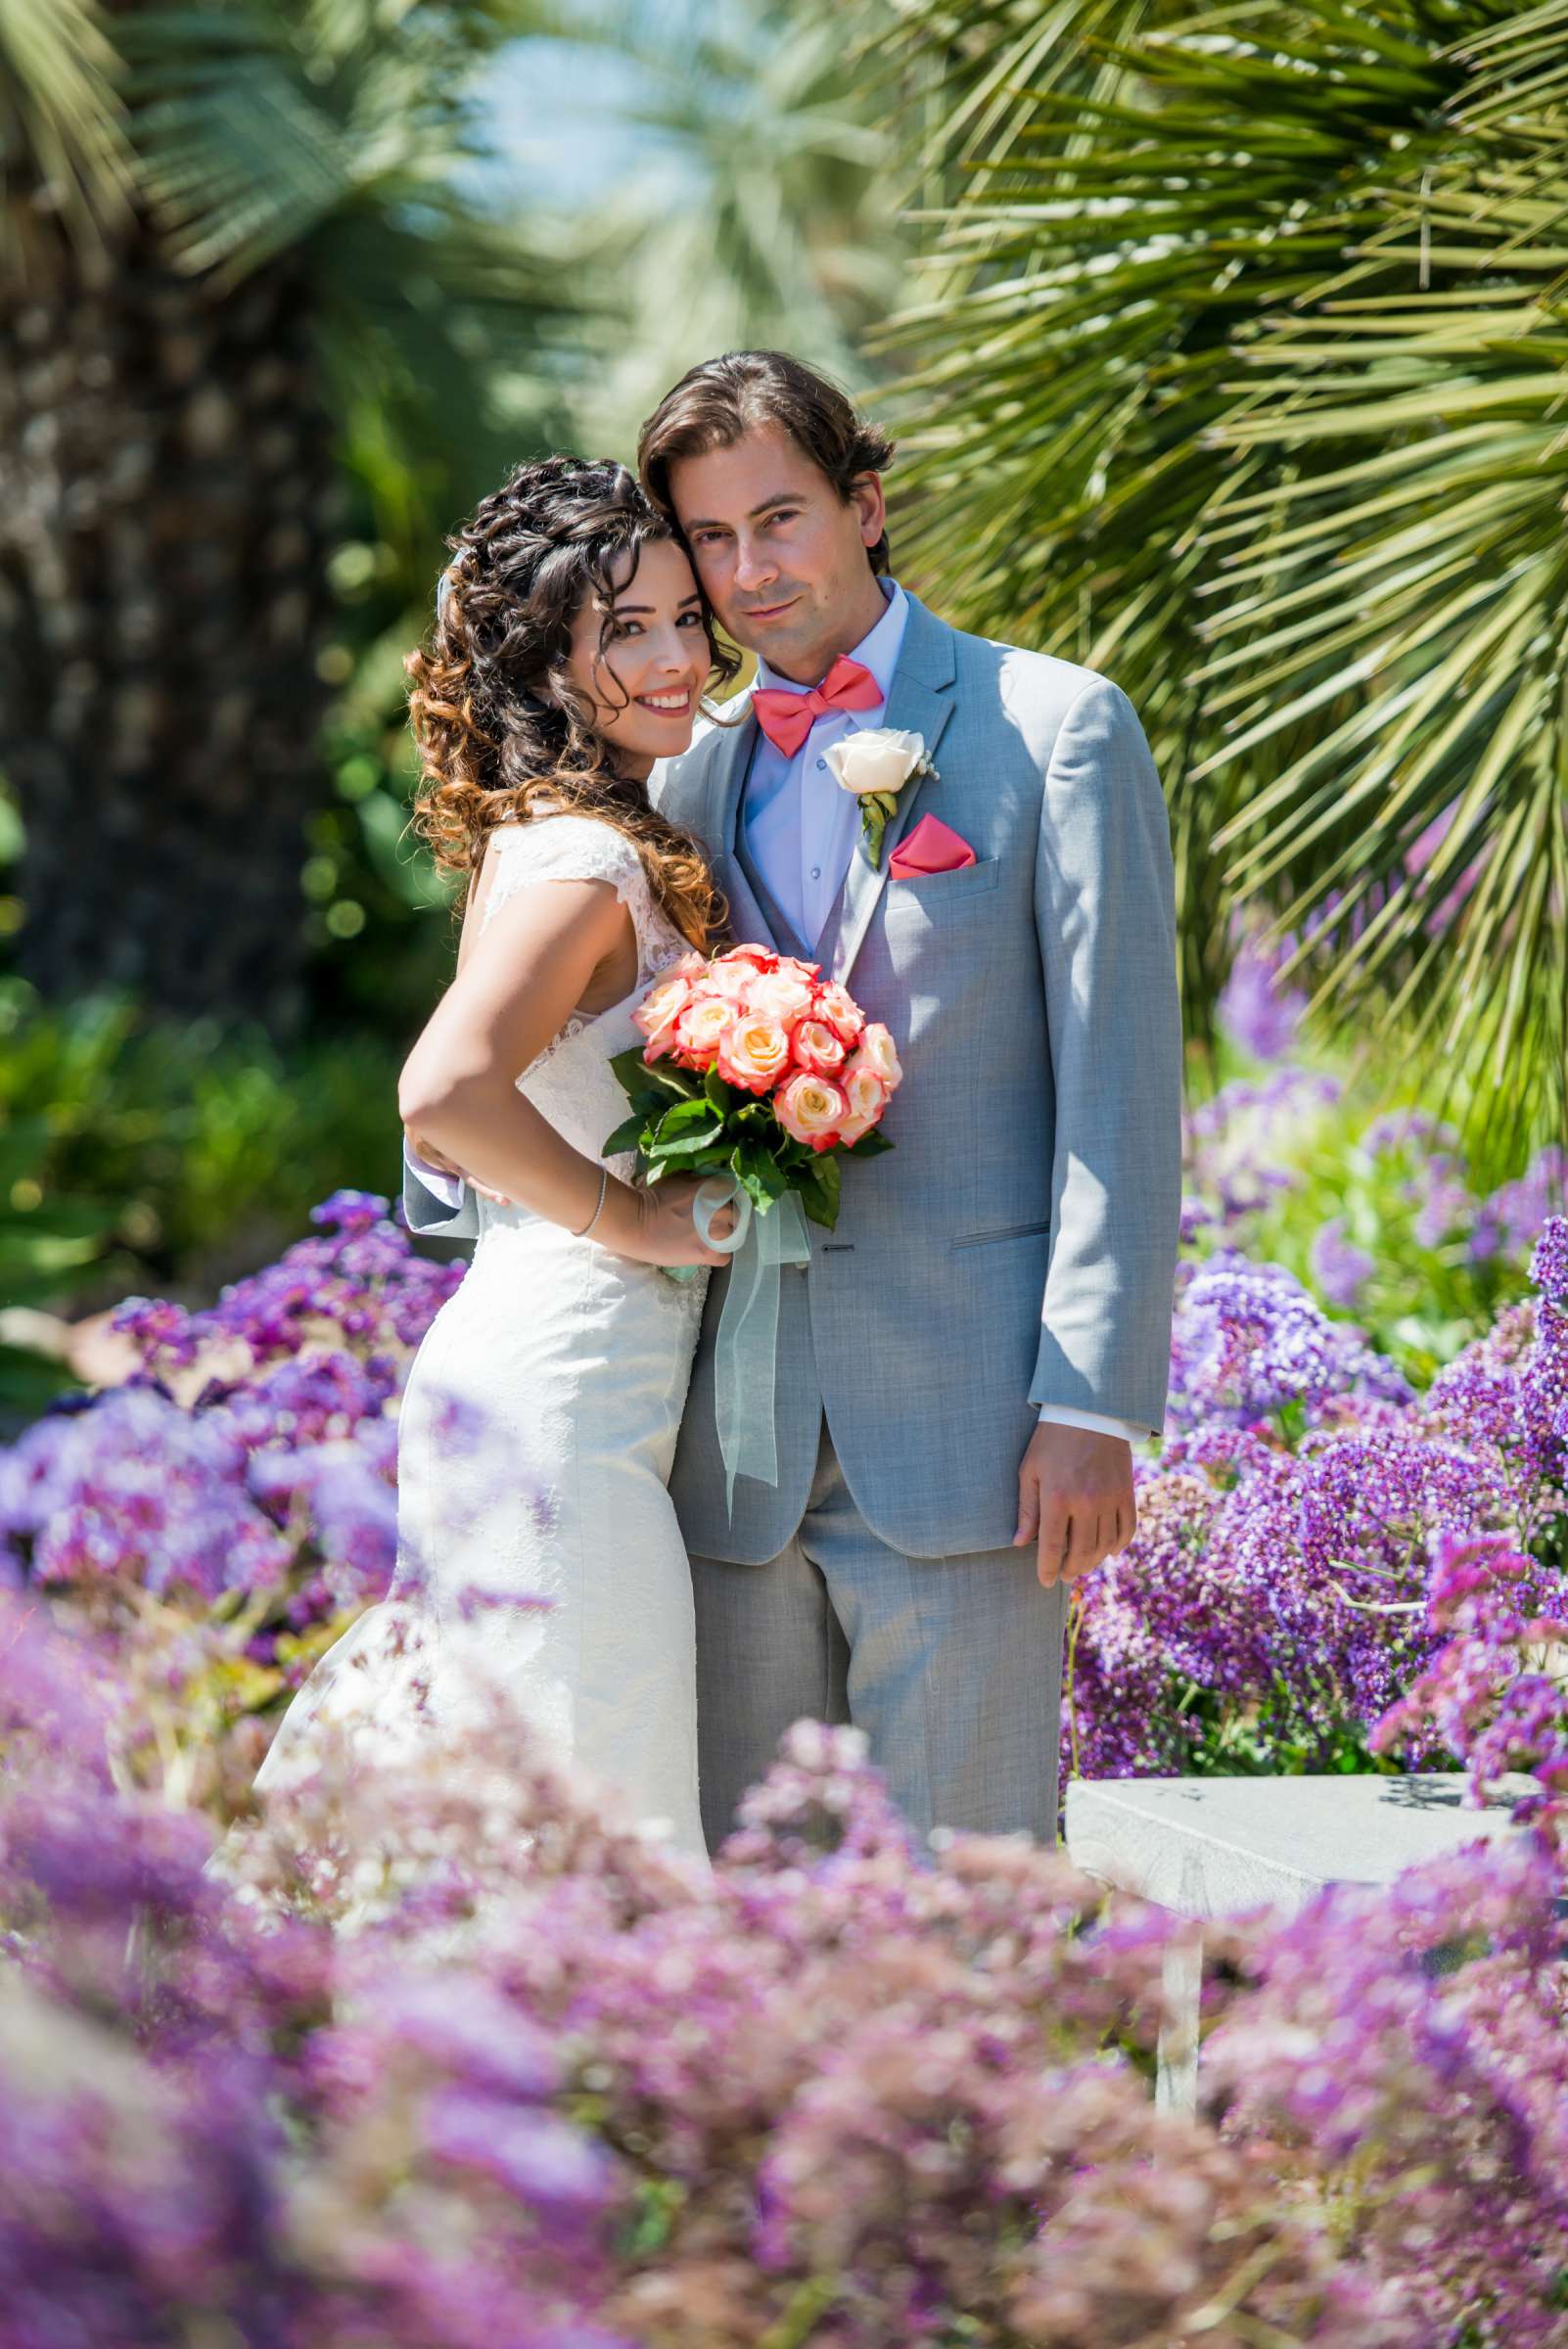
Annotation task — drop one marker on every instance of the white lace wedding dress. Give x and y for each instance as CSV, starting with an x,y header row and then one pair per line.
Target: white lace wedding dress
x,y
535,1440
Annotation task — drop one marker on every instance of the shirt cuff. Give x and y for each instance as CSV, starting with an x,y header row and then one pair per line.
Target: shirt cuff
x,y
447,1188
1100,1423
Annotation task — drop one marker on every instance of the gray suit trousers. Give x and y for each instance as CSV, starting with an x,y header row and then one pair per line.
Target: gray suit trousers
x,y
952,1667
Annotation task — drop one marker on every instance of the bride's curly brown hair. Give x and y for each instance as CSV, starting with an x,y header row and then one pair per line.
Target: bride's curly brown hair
x,y
501,729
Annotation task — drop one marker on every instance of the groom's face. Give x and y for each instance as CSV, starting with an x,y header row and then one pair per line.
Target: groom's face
x,y
781,555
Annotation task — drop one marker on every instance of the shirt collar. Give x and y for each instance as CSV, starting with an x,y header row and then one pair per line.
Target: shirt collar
x,y
878,650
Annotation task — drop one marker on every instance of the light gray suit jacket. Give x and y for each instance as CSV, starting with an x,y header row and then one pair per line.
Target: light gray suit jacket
x,y
1018,1245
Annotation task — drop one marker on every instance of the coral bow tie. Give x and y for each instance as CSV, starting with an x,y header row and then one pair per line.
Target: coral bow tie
x,y
786,717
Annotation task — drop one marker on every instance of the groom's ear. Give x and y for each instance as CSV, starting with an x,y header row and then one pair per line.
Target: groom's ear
x,y
867,498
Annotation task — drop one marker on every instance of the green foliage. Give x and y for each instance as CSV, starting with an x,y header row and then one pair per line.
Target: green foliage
x,y
61,114
378,920
138,1153
1239,374
353,136
345,134
1445,1232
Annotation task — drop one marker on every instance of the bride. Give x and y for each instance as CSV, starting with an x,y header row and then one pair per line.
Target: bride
x,y
538,1429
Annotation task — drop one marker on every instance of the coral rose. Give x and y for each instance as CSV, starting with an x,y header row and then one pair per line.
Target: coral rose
x,y
701,1028
659,1013
879,1053
818,1048
811,1109
864,1091
867,1097
731,980
754,1053
780,995
836,1005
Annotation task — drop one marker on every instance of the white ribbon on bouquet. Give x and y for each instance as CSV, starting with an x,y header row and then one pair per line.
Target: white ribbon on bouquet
x,y
746,1351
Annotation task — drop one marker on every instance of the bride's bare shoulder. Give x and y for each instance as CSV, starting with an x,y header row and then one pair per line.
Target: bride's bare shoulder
x,y
482,883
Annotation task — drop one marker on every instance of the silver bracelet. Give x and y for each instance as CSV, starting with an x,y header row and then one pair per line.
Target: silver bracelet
x,y
604,1192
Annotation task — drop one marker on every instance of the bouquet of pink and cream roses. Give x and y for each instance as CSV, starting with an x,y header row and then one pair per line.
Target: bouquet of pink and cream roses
x,y
757,1068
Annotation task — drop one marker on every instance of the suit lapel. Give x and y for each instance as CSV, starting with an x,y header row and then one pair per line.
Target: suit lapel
x,y
920,702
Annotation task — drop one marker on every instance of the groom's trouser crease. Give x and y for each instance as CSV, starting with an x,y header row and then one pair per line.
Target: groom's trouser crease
x,y
952,1667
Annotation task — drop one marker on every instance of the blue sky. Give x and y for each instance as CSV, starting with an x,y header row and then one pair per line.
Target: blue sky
x,y
558,115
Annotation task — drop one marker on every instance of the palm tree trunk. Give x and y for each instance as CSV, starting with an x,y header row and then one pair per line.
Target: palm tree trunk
x,y
167,494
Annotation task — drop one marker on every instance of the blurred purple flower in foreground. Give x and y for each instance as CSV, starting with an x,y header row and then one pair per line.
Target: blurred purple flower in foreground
x,y
444,2058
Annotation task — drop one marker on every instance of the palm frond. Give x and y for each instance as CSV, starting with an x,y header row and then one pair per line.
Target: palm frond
x,y
1245,368
344,139
63,138
1462,718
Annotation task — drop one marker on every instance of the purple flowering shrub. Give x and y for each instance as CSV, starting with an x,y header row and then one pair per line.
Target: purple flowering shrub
x,y
440,2058
1283,1588
1496,1693
216,1521
222,1517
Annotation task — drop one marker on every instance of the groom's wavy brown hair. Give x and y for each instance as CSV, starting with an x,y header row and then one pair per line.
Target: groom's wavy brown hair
x,y
502,732
716,404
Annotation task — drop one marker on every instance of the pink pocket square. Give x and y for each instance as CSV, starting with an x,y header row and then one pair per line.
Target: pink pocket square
x,y
931,848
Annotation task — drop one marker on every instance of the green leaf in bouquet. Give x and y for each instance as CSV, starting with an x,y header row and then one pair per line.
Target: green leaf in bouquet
x,y
627,1136
819,1185
693,1148
688,1133
687,1128
651,1080
760,1176
753,1186
718,1092
683,1116
869,1145
679,1081
632,1072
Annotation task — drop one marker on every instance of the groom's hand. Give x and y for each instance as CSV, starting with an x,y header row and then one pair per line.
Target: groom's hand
x,y
1074,1499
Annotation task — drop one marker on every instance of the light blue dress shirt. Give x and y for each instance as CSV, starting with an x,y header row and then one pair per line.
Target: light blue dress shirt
x,y
801,824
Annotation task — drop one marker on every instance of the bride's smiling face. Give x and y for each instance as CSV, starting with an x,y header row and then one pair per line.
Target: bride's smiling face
x,y
645,672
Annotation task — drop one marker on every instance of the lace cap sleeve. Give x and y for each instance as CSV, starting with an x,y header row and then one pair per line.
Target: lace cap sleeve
x,y
567,847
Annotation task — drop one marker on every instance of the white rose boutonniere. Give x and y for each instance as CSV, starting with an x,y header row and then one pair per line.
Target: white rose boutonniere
x,y
875,763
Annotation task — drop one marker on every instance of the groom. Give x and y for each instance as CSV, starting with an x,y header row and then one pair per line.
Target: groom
x,y
963,1363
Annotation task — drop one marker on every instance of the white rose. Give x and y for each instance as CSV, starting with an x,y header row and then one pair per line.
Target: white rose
x,y
875,759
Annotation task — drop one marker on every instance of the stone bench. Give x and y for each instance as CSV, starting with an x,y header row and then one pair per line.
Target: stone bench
x,y
1222,1847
